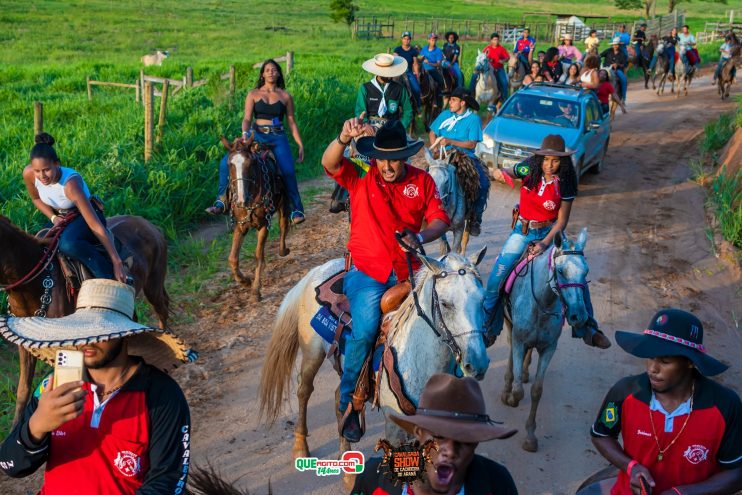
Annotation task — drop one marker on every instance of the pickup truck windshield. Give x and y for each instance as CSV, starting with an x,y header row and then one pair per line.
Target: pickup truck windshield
x,y
543,110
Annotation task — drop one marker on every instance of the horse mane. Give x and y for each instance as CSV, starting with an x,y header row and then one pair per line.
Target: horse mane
x,y
18,233
468,177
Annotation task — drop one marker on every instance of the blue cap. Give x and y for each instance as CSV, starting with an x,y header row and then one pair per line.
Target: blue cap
x,y
432,35
407,33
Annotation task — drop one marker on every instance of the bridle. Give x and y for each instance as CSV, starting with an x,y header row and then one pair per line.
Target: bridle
x,y
267,197
555,284
437,323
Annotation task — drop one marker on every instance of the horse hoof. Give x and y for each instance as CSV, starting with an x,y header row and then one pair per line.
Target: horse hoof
x,y
284,252
530,445
348,481
302,451
255,296
511,401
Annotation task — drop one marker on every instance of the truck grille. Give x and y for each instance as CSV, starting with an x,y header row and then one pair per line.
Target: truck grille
x,y
514,152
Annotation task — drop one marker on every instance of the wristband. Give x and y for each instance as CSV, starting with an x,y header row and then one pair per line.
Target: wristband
x,y
631,465
342,143
52,218
419,238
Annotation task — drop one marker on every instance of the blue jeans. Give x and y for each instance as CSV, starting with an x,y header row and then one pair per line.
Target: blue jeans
x,y
513,249
364,295
624,83
279,143
80,243
501,77
484,190
459,76
670,56
415,87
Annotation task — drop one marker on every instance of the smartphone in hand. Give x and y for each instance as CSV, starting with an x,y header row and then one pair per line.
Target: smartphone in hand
x,y
68,366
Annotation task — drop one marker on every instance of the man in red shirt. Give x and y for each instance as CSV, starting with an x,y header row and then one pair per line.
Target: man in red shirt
x,y
682,432
392,197
497,54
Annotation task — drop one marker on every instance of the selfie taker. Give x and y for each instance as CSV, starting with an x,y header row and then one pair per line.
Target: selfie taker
x,y
127,428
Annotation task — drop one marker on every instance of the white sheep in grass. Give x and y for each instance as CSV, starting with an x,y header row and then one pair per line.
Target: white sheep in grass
x,y
156,58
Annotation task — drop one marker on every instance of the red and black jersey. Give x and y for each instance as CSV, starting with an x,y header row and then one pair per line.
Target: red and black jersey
x,y
710,442
136,442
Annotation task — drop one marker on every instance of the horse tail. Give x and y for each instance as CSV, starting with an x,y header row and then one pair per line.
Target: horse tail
x,y
275,378
468,177
208,481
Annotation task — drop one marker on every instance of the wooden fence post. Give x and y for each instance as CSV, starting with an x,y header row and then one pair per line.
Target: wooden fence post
x,y
38,118
232,81
289,62
138,90
163,107
189,77
90,89
148,120
141,84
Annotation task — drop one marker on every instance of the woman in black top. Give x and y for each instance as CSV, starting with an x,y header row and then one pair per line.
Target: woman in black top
x,y
452,52
551,68
266,106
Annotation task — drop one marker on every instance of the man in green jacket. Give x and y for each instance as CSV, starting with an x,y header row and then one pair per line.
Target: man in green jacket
x,y
382,99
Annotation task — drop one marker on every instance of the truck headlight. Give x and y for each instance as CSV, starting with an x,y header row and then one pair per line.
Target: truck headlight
x,y
488,142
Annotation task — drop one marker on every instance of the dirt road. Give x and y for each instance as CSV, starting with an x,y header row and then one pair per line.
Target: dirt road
x,y
648,248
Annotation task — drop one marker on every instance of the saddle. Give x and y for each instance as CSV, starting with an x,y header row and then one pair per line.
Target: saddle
x,y
335,312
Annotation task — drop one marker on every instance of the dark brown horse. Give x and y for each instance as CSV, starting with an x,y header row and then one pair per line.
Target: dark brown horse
x,y
431,96
256,193
20,253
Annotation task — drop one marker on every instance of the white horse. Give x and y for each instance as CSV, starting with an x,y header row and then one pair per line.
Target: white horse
x,y
452,196
486,90
421,350
681,77
155,58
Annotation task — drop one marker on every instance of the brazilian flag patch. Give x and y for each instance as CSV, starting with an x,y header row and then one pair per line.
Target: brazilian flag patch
x,y
610,415
42,386
522,170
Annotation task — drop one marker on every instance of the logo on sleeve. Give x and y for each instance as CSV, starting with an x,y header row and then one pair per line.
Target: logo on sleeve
x,y
696,454
411,191
610,415
127,463
393,106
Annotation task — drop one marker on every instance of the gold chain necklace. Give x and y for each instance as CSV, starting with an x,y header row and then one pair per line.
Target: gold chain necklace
x,y
685,423
112,391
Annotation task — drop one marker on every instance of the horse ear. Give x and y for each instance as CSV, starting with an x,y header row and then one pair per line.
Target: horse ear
x,y
226,143
581,240
433,264
477,258
429,157
559,239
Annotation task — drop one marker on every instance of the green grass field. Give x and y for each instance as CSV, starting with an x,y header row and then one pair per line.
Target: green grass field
x,y
49,48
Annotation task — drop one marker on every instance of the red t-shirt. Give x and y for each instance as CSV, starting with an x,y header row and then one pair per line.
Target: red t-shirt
x,y
605,90
709,443
542,203
496,54
379,209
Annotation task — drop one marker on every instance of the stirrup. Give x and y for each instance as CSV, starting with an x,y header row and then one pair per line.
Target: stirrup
x,y
297,217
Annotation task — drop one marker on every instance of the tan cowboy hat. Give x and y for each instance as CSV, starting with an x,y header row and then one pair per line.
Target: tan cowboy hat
x,y
616,41
386,65
567,37
454,408
553,145
104,311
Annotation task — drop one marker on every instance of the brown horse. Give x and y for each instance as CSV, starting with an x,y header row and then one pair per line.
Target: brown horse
x,y
256,192
20,253
432,98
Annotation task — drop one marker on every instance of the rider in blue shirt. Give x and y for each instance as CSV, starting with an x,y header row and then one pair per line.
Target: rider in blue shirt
x,y
461,129
525,47
432,62
625,39
410,53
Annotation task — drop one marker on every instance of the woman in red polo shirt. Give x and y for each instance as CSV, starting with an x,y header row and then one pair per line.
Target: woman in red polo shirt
x,y
548,189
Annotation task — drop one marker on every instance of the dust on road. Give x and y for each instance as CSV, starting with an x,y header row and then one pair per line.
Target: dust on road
x,y
648,248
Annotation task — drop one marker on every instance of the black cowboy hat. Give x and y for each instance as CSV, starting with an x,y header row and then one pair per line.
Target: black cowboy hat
x,y
389,143
449,33
454,408
463,94
672,332
553,145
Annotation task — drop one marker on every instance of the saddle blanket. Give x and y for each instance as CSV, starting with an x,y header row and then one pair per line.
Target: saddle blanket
x,y
324,323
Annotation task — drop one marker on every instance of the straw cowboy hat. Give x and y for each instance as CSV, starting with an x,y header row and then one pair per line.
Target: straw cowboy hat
x,y
567,36
104,311
672,332
386,65
553,145
389,143
616,41
453,408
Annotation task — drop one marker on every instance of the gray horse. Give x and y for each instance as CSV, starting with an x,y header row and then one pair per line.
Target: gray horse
x,y
661,68
452,196
546,291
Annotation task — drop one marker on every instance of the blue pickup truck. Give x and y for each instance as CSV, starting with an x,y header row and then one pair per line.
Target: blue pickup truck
x,y
540,109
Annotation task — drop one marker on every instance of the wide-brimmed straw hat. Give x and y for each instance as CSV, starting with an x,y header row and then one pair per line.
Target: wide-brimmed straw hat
x,y
454,408
672,332
567,36
463,94
616,40
386,65
104,311
389,143
553,145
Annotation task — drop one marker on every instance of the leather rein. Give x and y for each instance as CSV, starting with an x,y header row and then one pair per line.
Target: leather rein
x,y
554,284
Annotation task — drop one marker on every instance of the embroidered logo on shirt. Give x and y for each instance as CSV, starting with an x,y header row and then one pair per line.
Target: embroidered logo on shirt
x,y
392,106
643,433
127,463
549,205
610,415
696,454
411,191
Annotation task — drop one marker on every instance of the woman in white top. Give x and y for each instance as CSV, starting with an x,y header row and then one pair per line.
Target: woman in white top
x,y
589,76
57,191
